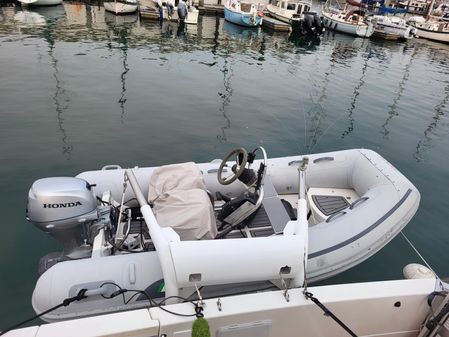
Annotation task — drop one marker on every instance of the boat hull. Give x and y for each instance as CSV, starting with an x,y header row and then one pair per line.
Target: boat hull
x,y
279,13
433,35
242,19
361,30
41,2
382,309
392,28
127,7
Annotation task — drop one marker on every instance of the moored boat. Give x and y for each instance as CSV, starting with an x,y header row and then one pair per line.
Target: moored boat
x,y
284,10
243,14
349,20
434,28
392,28
121,6
297,13
409,307
209,225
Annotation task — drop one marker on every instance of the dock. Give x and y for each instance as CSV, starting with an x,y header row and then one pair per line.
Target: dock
x,y
147,10
275,24
211,9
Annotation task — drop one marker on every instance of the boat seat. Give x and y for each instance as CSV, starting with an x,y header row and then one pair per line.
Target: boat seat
x,y
271,218
324,202
180,201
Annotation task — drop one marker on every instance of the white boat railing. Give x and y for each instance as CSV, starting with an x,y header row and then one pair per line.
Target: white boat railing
x,y
159,237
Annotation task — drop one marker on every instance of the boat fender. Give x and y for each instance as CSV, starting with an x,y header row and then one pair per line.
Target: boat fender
x,y
200,327
417,271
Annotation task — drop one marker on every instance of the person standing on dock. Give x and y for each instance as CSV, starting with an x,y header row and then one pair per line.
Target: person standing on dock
x,y
182,12
161,10
170,9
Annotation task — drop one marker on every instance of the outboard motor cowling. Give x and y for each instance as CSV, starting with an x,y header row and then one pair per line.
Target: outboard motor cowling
x,y
61,206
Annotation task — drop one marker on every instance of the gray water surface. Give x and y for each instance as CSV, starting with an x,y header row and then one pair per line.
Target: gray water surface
x,y
80,88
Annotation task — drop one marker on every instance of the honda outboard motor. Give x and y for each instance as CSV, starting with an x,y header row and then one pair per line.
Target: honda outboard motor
x,y
61,207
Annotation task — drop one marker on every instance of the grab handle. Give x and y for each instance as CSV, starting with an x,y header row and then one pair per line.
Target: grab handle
x,y
295,162
357,202
319,160
335,215
111,167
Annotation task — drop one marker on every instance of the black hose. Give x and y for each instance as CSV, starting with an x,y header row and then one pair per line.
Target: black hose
x,y
81,294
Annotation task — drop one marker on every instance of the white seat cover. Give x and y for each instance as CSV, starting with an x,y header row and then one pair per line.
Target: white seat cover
x,y
180,201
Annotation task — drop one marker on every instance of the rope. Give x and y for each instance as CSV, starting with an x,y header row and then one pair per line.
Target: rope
x,y
417,253
120,291
81,294
327,312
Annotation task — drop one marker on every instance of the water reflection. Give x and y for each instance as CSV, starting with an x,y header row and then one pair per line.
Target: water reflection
x,y
401,87
425,143
308,42
225,99
46,20
26,18
346,48
60,98
355,95
121,28
244,33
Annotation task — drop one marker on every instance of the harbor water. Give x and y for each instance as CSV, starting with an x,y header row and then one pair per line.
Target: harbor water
x,y
81,88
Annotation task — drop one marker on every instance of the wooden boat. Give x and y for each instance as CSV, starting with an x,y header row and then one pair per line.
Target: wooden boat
x,y
392,28
436,24
434,28
210,225
121,6
349,20
243,14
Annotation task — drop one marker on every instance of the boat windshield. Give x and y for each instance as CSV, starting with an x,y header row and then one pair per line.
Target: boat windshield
x,y
290,6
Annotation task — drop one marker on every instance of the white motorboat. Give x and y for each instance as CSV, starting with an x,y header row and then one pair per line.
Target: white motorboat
x,y
121,6
284,10
178,227
298,14
350,20
41,2
416,307
433,28
392,28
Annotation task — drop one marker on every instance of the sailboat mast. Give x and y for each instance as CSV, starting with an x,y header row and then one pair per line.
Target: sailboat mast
x,y
408,6
429,10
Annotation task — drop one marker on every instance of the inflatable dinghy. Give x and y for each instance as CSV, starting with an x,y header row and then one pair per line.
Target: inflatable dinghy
x,y
155,233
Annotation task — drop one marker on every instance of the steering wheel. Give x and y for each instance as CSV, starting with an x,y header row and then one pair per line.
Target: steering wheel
x,y
239,167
